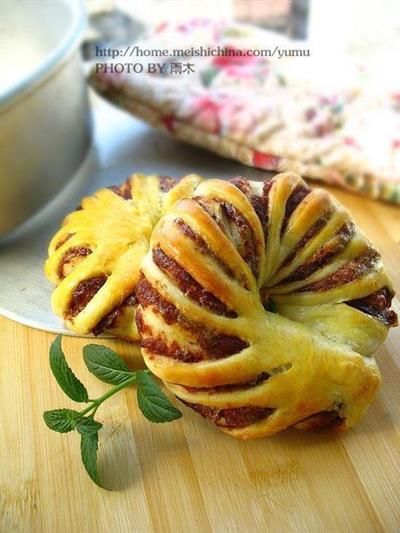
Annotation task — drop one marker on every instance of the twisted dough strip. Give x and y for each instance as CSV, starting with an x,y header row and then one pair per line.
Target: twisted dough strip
x,y
218,261
94,258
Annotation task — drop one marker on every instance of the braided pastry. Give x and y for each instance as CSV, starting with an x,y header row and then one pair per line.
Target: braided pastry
x,y
220,262
94,258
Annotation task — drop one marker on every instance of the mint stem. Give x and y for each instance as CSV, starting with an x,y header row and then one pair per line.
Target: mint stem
x,y
96,403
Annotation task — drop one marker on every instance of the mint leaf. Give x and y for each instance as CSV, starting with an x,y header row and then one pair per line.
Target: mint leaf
x,y
153,403
88,426
89,447
105,364
61,420
67,380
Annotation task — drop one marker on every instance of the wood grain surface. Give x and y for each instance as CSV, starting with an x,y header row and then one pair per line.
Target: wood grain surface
x,y
187,476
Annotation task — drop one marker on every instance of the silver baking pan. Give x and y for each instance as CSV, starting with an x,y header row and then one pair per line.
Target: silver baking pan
x,y
45,124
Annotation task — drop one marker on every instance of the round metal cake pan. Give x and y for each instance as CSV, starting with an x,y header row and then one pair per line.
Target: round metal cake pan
x,y
45,124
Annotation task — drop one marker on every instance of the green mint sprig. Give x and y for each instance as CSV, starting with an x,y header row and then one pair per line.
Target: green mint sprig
x,y
107,366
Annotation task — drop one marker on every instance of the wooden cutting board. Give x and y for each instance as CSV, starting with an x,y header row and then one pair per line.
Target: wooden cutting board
x,y
187,476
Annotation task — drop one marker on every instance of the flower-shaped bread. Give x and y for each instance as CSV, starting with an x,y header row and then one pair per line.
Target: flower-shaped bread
x,y
260,305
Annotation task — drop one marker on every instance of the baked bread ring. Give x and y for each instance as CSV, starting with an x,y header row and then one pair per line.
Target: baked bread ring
x,y
94,258
260,305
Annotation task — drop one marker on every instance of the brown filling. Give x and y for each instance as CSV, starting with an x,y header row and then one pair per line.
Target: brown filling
x,y
167,183
234,226
377,305
124,190
200,243
156,344
188,285
71,258
315,228
322,421
323,255
263,376
231,418
211,207
109,320
148,296
159,345
295,198
260,205
202,246
355,269
214,345
83,293
259,202
245,244
242,184
218,345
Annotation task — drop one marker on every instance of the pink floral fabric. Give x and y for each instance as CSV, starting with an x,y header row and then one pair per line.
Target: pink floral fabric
x,y
272,114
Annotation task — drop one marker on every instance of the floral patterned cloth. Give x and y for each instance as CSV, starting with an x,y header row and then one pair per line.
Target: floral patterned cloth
x,y
274,114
